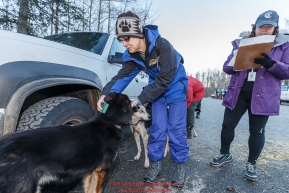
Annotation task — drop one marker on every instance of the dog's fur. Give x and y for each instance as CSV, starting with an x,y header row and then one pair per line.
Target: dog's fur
x,y
33,158
140,122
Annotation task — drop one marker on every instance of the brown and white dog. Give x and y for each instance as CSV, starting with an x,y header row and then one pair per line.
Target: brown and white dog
x,y
140,122
31,159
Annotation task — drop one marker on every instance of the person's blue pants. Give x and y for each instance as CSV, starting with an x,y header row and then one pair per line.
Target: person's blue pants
x,y
171,122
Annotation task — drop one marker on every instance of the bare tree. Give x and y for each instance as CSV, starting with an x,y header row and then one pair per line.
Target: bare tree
x,y
90,15
99,14
8,15
22,26
198,75
212,80
45,17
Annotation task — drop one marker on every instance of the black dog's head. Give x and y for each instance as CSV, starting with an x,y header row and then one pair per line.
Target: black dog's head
x,y
119,110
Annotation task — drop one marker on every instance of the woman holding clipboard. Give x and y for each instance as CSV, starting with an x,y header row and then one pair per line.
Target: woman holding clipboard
x,y
255,90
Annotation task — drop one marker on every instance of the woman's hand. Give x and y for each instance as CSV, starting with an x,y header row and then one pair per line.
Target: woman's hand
x,y
100,102
134,103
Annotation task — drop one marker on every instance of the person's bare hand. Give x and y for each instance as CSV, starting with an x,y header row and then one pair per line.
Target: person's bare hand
x,y
100,102
133,103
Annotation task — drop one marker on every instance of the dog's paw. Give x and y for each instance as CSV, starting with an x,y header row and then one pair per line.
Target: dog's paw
x,y
136,157
147,164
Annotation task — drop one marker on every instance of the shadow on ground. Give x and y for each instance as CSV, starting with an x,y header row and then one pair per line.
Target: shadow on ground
x,y
126,175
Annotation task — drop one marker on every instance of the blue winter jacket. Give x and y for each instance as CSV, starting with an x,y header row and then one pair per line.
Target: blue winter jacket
x,y
267,86
167,77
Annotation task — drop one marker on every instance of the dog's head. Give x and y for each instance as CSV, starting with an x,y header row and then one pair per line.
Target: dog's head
x,y
141,113
119,110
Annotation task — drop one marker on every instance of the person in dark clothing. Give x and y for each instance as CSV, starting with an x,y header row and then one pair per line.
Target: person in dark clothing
x,y
198,109
256,91
148,52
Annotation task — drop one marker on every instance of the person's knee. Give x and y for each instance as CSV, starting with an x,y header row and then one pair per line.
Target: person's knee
x,y
227,128
257,131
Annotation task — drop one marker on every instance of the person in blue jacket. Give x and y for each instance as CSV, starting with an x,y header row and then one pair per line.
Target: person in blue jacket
x,y
147,51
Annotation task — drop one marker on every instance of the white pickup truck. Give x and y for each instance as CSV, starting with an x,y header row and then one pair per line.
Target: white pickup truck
x,y
284,97
57,79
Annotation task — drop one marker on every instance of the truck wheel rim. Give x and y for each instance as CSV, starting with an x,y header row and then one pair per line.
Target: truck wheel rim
x,y
72,121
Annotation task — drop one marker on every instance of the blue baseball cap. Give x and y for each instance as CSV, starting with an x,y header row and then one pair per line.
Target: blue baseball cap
x,y
268,17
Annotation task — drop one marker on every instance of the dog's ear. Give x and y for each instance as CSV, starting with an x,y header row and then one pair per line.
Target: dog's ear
x,y
135,108
110,97
126,104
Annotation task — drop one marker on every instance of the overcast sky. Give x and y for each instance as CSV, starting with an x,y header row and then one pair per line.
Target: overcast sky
x,y
202,30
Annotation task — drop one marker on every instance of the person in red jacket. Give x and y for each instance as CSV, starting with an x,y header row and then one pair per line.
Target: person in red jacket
x,y
196,92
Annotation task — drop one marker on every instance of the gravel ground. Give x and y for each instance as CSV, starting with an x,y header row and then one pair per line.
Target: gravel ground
x,y
126,175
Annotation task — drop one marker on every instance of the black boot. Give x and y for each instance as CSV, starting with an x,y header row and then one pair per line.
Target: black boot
x,y
179,177
189,131
153,172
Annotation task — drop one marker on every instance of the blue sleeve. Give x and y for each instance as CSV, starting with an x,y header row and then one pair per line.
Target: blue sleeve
x,y
120,81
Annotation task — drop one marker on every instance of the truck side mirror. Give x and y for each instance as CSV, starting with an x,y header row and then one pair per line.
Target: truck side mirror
x,y
117,58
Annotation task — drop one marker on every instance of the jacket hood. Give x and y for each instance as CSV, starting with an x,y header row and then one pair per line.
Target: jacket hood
x,y
281,39
151,33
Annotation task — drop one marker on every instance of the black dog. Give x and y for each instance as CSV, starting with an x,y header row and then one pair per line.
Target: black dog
x,y
34,158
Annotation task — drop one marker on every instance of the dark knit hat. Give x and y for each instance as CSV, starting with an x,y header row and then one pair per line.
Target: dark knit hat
x,y
128,25
268,17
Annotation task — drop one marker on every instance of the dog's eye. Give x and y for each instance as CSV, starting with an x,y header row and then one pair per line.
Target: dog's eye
x,y
141,111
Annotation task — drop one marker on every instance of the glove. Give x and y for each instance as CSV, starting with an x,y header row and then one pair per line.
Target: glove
x,y
267,62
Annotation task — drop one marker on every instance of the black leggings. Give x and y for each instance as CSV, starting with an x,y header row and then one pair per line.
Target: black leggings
x,y
257,125
199,107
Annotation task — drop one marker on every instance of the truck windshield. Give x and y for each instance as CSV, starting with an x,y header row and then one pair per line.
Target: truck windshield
x,y
89,41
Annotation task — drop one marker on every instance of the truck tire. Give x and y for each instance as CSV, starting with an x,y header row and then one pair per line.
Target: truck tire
x,y
55,111
51,112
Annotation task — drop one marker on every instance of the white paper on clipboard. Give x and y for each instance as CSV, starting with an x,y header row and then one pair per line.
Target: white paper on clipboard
x,y
257,40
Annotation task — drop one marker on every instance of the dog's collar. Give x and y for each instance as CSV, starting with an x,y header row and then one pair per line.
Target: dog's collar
x,y
135,124
139,120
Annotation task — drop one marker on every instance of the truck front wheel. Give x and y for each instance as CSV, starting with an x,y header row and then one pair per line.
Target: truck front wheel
x,y
55,111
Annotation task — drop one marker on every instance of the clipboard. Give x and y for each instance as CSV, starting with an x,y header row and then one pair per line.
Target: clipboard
x,y
249,49
246,55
